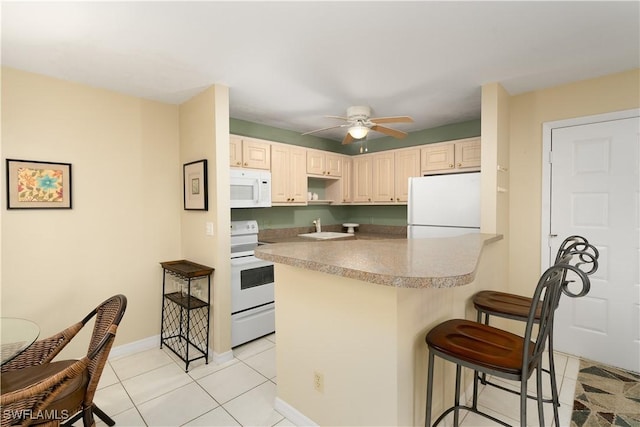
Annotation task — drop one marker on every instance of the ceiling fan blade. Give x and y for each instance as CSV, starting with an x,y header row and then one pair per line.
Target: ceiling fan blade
x,y
337,117
348,139
320,130
388,131
396,119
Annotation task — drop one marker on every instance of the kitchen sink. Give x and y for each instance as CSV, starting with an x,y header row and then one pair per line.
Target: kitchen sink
x,y
326,235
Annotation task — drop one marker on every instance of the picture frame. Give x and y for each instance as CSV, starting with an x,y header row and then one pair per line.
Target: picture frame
x,y
34,184
194,176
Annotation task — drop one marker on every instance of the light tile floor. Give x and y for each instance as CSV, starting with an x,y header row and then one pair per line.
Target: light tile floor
x,y
150,388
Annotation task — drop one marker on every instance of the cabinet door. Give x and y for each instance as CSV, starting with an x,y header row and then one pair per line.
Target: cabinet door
x,y
235,151
468,154
256,154
407,165
362,175
315,162
298,175
383,177
347,180
437,157
333,165
279,174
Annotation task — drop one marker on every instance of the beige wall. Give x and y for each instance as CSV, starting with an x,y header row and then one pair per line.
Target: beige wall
x,y
57,265
204,134
527,114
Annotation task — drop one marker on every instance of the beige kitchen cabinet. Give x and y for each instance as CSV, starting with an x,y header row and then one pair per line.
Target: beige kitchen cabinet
x,y
323,163
249,153
453,156
407,165
391,172
362,179
340,191
383,179
288,175
347,180
468,154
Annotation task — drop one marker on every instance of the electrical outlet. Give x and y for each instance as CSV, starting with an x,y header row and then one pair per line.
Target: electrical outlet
x,y
318,382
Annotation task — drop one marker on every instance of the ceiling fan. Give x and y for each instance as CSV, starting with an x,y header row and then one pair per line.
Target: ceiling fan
x,y
360,122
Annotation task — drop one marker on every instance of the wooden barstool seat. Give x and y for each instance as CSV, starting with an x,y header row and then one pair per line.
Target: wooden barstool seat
x,y
516,307
493,351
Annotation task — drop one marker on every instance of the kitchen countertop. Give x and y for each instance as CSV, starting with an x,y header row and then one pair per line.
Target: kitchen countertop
x,y
356,236
408,263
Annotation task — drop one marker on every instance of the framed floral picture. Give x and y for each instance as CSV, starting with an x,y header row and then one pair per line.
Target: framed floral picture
x,y
33,184
195,186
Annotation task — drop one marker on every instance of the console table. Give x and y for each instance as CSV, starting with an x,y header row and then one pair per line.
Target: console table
x,y
186,310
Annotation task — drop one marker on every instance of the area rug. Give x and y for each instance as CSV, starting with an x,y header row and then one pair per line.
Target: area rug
x,y
606,396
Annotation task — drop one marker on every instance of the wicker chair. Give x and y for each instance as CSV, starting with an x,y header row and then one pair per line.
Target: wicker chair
x,y
516,307
37,391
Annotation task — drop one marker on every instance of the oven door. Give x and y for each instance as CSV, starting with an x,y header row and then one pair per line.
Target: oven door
x,y
251,283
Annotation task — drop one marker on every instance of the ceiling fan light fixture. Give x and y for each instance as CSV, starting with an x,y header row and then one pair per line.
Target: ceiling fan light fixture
x,y
358,131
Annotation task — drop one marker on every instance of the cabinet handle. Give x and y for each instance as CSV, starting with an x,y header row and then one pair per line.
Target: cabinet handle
x,y
324,172
369,199
450,165
246,164
238,163
398,199
391,199
328,172
459,165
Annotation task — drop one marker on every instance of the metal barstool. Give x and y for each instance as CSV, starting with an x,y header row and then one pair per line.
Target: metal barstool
x,y
494,351
516,307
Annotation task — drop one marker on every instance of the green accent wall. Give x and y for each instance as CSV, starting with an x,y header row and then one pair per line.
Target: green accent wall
x,y
301,216
449,132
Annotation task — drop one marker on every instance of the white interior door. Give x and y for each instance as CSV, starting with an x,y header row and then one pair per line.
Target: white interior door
x,y
594,193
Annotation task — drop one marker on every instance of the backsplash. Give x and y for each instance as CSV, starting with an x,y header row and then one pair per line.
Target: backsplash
x,y
280,233
302,216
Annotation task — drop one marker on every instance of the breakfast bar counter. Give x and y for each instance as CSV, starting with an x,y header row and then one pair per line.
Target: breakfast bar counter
x,y
413,263
351,317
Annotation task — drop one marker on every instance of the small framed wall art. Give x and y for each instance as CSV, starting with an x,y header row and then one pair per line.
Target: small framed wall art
x,y
34,184
195,186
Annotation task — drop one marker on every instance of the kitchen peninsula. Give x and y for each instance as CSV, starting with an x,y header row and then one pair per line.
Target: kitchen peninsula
x,y
351,318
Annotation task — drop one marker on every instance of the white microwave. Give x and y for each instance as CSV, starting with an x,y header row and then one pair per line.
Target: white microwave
x,y
250,188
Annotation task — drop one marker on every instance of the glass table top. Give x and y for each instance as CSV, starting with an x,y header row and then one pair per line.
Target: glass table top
x,y
15,336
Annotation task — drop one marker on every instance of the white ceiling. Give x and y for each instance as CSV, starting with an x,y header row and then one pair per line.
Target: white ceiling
x,y
288,64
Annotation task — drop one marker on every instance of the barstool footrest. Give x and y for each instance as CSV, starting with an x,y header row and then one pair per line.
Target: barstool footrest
x,y
487,382
470,409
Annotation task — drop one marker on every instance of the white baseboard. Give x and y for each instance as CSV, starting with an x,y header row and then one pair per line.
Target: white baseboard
x,y
154,342
292,414
135,347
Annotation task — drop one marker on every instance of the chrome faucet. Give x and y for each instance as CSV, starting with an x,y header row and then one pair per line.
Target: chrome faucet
x,y
316,222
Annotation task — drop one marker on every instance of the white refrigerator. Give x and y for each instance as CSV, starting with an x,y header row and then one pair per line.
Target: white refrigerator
x,y
443,205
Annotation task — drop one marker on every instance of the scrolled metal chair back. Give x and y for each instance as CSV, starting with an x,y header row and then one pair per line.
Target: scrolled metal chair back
x,y
578,252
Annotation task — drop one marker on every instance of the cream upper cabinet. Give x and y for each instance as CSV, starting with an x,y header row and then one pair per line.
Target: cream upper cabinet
x,y
451,156
288,175
391,173
340,191
249,153
322,163
436,157
383,188
347,180
468,153
407,165
362,179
